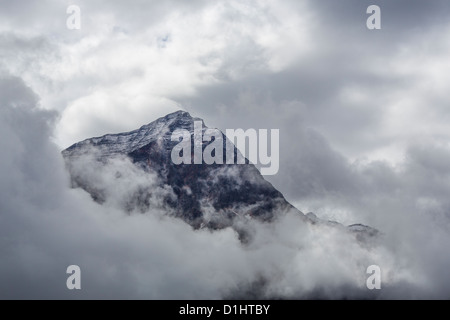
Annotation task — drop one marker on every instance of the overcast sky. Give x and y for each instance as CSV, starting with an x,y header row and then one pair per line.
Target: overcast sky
x,y
363,114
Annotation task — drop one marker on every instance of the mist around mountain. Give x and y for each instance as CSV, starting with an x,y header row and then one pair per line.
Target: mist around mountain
x,y
213,196
133,172
131,244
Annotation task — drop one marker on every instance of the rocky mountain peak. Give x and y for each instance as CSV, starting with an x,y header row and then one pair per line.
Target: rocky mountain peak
x,y
202,195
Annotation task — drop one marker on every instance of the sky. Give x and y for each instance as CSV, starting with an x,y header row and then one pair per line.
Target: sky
x,y
364,138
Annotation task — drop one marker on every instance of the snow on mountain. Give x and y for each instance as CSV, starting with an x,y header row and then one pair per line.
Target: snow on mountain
x,y
135,169
203,195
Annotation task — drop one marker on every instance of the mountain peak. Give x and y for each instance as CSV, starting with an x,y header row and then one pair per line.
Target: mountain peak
x,y
127,142
177,114
204,195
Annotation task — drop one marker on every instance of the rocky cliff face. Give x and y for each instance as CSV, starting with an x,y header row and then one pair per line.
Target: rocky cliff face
x,y
135,170
203,195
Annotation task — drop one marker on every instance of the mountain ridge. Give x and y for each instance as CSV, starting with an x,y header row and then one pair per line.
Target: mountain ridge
x,y
212,196
230,189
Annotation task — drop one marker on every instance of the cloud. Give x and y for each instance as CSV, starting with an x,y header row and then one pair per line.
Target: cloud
x,y
124,64
363,126
359,88
47,226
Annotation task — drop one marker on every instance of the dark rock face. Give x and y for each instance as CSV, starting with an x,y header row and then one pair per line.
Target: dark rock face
x,y
203,195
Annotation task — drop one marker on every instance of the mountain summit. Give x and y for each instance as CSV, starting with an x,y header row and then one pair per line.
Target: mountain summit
x,y
203,195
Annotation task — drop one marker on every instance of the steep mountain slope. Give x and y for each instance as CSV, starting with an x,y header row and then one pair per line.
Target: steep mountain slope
x,y
202,195
135,170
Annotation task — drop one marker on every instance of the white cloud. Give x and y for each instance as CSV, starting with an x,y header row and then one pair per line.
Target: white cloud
x,y
114,71
362,116
46,226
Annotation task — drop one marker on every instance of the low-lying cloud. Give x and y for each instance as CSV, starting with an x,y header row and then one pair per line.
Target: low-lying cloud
x,y
46,226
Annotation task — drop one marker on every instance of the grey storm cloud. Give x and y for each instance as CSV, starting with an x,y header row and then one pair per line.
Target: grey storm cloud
x,y
46,226
363,138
